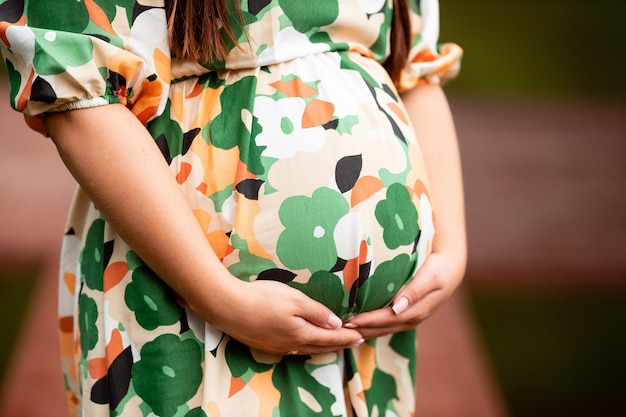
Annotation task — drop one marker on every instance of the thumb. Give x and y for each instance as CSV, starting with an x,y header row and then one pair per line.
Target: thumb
x,y
400,305
411,293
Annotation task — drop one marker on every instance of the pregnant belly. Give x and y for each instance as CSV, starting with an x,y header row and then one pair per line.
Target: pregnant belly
x,y
319,184
351,248
347,223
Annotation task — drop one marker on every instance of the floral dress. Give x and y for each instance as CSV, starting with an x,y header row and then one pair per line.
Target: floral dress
x,y
300,164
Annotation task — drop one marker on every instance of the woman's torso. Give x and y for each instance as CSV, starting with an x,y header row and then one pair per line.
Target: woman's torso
x,y
298,156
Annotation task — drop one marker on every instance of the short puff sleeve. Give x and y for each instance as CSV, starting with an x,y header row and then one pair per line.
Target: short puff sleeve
x,y
68,54
428,61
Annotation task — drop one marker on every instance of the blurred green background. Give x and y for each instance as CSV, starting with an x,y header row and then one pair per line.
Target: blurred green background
x,y
538,47
554,353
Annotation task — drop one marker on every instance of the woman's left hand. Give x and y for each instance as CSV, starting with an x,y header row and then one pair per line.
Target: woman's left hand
x,y
434,282
443,270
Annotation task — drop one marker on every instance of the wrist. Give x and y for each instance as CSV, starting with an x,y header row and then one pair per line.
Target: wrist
x,y
216,302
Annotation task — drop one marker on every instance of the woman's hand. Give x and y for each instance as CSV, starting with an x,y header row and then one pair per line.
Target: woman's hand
x,y
275,318
427,107
435,281
119,166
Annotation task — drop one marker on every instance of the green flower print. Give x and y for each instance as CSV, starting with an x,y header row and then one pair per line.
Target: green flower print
x,y
381,398
291,377
307,241
398,217
50,45
308,15
226,132
196,412
403,343
92,257
44,14
386,281
111,8
248,264
87,323
15,81
153,302
170,138
241,362
169,373
326,288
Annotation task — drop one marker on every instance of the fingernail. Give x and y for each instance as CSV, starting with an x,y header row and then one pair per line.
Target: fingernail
x,y
334,321
401,305
350,325
357,343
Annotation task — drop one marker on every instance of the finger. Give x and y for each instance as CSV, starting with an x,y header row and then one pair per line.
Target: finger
x,y
315,348
388,320
318,340
318,314
424,283
375,318
335,338
375,332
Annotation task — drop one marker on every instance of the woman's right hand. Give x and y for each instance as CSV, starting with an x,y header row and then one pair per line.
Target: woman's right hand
x,y
118,164
275,318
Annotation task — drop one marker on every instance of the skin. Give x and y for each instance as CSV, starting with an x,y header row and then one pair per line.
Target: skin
x,y
92,148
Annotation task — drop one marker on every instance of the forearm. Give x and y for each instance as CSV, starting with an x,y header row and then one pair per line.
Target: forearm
x,y
443,270
116,162
430,114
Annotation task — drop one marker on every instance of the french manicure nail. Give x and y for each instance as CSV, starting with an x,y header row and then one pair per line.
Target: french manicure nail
x,y
350,325
358,343
401,305
334,321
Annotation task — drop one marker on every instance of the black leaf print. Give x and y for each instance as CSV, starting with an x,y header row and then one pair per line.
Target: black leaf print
x,y
188,138
117,80
100,392
161,142
113,387
389,91
364,274
417,241
43,91
339,266
12,10
255,6
394,125
347,172
140,8
108,252
100,36
250,188
276,274
331,125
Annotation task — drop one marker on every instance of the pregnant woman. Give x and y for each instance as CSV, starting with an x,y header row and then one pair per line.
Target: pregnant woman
x,y
253,233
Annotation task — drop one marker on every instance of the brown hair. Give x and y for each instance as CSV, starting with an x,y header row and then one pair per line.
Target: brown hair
x,y
192,38
196,28
400,40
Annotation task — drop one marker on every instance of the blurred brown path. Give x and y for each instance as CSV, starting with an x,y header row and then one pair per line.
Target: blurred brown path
x,y
545,193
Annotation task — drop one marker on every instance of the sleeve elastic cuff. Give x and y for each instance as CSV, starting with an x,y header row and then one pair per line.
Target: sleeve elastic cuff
x,y
86,103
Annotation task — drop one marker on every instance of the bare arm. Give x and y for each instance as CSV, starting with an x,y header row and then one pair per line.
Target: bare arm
x,y
117,163
430,114
443,270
